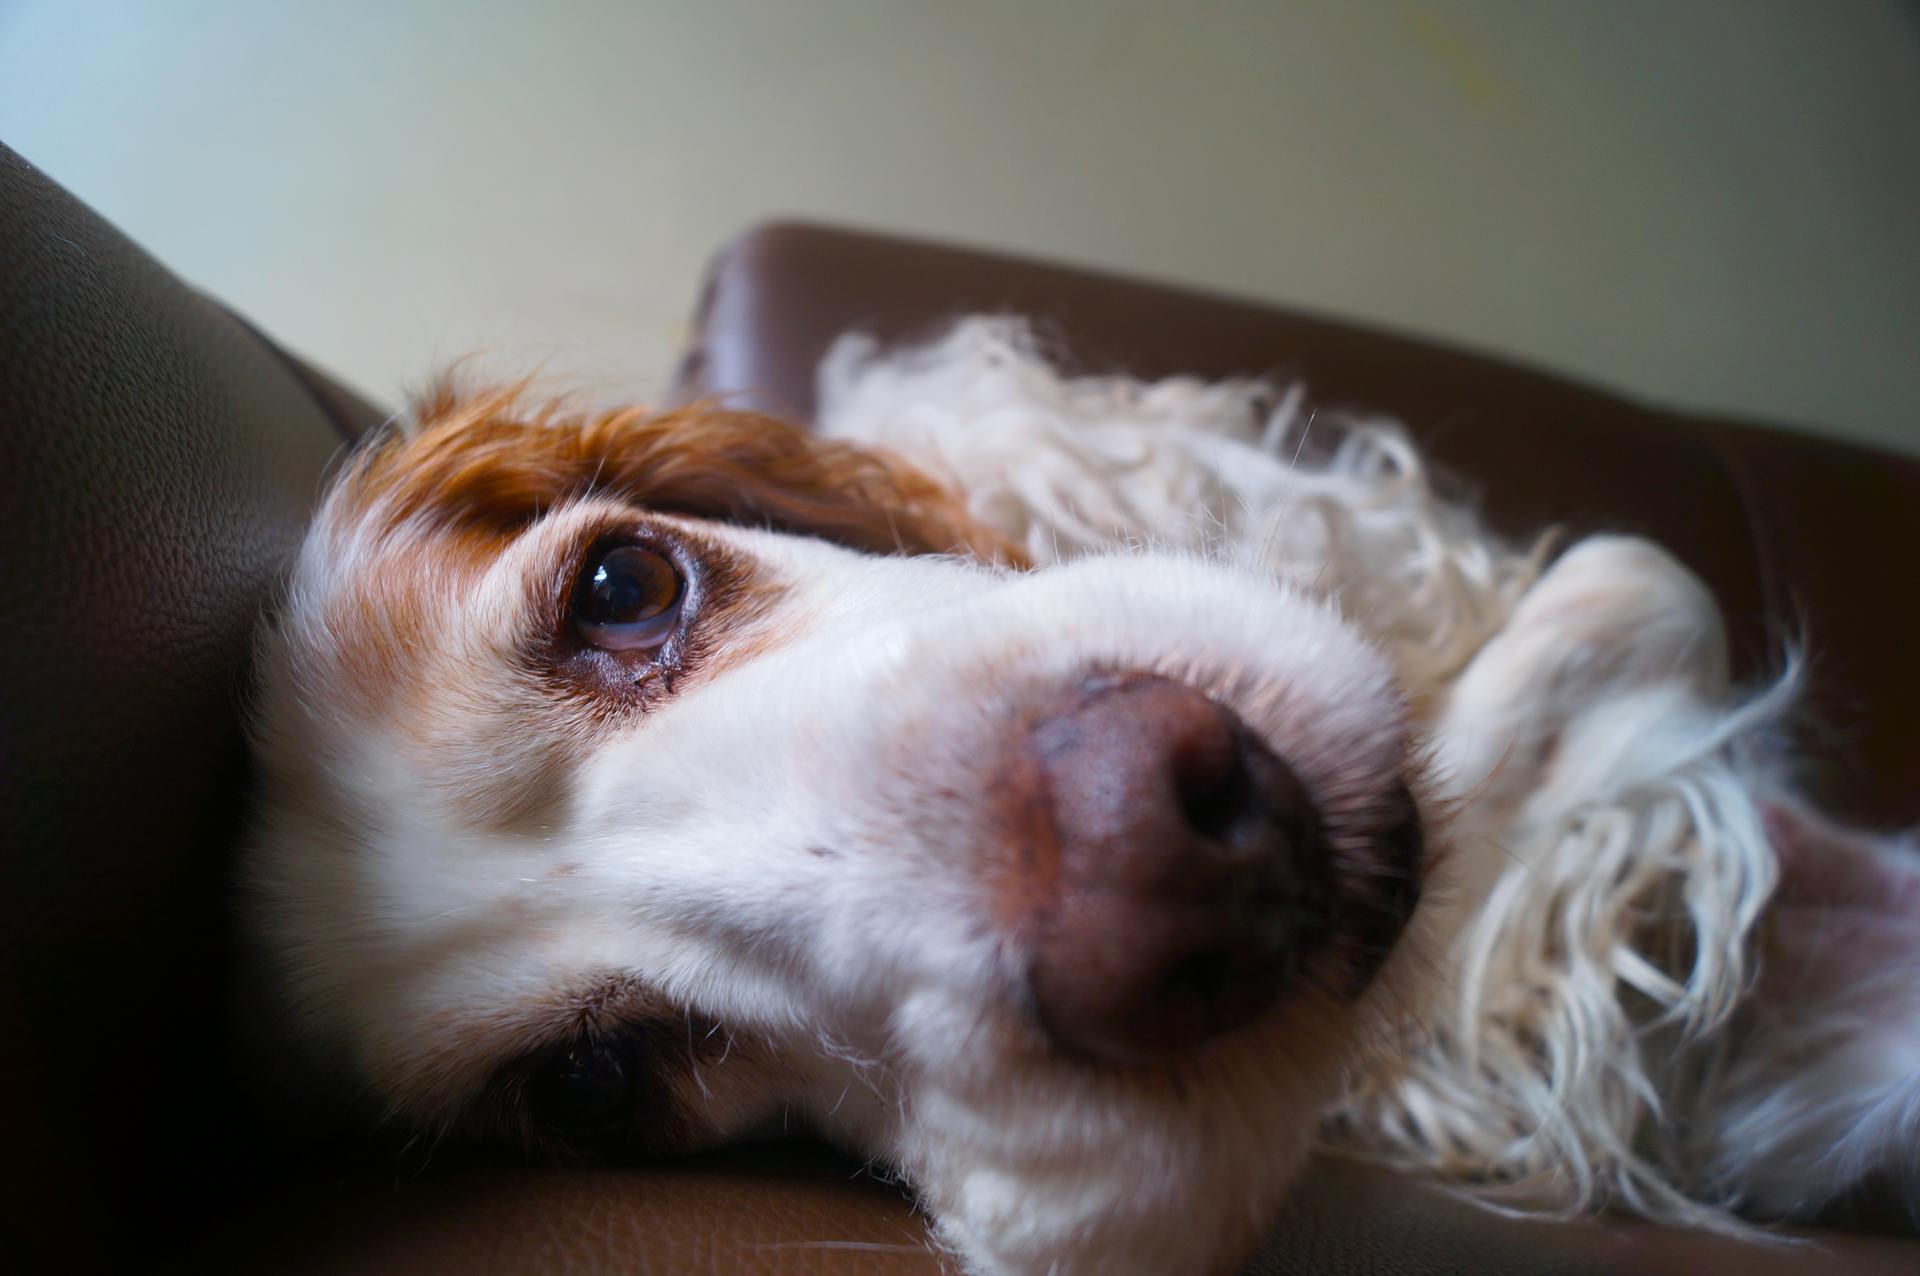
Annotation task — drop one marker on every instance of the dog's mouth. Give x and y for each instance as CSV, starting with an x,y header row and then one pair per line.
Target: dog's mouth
x,y
1170,877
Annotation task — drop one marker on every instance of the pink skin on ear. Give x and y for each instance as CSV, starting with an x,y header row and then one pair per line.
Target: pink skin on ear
x,y
1848,906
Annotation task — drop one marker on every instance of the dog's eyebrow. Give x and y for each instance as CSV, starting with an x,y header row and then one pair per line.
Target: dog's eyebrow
x,y
491,462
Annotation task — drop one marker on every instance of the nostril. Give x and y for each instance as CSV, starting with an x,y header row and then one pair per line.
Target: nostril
x,y
1211,787
1211,807
1202,978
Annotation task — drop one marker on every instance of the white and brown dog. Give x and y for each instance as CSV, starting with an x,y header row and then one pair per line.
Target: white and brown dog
x,y
1085,804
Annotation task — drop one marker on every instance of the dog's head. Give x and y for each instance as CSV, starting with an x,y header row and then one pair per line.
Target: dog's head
x,y
637,781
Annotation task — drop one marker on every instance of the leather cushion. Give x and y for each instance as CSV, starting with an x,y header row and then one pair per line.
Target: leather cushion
x,y
799,1211
157,464
1792,533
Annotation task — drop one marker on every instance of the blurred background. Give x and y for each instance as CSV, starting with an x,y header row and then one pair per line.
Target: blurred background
x,y
1712,203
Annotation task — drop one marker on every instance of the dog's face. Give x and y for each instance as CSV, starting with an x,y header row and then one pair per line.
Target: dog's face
x,y
641,782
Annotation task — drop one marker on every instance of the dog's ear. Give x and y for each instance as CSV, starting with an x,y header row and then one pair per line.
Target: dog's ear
x,y
490,462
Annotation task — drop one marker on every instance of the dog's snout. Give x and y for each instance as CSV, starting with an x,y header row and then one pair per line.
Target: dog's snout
x,y
1183,879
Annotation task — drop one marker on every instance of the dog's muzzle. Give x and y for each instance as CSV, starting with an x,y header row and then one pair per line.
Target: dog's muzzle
x,y
1167,874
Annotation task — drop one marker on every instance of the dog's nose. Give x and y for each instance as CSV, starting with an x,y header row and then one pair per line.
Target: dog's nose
x,y
1187,883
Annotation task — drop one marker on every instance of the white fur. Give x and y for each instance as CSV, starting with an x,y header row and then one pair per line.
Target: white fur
x,y
1571,1027
1583,962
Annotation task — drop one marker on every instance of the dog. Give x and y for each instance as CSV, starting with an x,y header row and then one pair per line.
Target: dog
x,y
1089,798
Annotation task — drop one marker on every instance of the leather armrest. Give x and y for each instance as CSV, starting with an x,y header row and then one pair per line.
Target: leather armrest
x,y
158,461
1790,531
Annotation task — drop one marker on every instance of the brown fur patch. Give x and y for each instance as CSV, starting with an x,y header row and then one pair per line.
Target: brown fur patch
x,y
444,498
489,462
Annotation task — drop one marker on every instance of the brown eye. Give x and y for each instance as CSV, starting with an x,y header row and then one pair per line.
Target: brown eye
x,y
627,600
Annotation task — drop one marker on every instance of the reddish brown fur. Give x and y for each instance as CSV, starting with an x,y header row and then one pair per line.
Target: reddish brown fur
x,y
447,494
486,463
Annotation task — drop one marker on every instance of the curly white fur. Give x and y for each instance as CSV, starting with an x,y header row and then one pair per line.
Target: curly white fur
x,y
1607,913
1076,465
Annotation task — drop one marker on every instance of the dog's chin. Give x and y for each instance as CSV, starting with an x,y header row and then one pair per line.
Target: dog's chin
x,y
1033,1163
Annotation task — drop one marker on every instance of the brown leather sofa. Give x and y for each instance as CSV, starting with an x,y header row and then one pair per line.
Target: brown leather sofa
x,y
159,458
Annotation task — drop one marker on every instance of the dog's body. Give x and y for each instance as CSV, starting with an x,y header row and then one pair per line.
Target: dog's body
x,y
640,780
